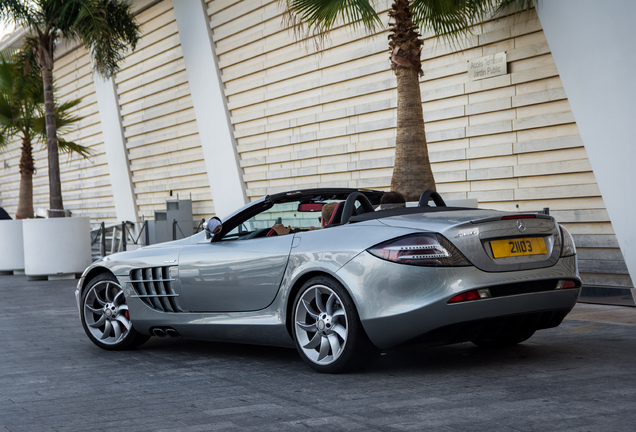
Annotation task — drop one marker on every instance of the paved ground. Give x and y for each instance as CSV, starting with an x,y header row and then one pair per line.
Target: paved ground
x,y
578,377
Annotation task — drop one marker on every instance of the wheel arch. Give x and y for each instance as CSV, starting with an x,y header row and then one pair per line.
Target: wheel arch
x,y
92,273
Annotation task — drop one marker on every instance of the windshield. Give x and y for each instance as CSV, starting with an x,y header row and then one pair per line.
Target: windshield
x,y
286,214
299,210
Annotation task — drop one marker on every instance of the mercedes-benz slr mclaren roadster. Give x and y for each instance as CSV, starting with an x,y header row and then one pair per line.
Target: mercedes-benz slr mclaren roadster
x,y
368,281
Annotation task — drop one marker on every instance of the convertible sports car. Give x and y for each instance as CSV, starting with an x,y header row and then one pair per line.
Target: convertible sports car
x,y
368,281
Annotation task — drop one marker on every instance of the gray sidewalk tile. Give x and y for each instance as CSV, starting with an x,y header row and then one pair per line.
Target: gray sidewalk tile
x,y
577,377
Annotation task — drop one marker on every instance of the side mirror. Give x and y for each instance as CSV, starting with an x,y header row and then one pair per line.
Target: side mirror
x,y
212,226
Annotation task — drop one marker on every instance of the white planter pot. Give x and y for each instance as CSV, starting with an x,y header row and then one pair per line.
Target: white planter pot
x,y
58,246
11,246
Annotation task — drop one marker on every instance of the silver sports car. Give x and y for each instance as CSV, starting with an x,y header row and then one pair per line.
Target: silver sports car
x,y
369,280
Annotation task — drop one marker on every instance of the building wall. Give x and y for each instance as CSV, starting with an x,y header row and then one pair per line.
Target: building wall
x,y
307,116
85,182
159,126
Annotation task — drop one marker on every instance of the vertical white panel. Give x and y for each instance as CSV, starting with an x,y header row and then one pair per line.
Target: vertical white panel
x,y
123,193
215,130
592,43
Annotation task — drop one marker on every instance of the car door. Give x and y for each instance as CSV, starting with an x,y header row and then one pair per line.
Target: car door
x,y
232,276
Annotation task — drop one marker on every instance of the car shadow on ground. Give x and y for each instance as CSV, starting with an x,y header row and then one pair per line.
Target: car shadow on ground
x,y
546,349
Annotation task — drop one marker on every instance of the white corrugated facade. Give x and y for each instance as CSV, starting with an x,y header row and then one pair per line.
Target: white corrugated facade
x,y
307,117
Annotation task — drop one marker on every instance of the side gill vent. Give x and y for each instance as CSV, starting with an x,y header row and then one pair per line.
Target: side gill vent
x,y
154,287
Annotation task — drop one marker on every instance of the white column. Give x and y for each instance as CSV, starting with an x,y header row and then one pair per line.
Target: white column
x,y
210,107
593,46
116,154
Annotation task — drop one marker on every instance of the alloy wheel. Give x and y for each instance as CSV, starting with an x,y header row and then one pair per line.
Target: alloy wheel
x,y
106,313
321,325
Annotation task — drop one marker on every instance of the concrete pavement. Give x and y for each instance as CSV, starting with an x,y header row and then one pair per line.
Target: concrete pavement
x,y
578,377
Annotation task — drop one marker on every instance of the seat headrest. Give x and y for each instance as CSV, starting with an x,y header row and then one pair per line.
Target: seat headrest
x,y
336,215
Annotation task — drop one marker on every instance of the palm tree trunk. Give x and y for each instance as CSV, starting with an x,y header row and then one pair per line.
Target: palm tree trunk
x,y
27,168
412,172
55,184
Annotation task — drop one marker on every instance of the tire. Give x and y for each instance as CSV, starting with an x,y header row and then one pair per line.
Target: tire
x,y
327,330
105,316
504,341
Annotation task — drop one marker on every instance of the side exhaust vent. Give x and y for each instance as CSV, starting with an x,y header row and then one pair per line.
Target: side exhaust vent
x,y
159,332
164,331
154,287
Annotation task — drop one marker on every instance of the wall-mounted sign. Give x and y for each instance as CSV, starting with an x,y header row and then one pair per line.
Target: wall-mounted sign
x,y
488,66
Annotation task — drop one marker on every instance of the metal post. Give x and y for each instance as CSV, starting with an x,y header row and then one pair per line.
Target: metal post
x,y
102,241
124,235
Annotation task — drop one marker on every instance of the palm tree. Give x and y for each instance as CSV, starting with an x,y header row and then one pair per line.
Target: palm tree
x,y
452,19
106,27
22,115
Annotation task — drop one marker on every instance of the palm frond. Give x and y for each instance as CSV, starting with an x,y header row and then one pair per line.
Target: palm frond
x,y
517,5
109,29
7,115
20,94
63,117
64,120
16,11
71,147
22,102
320,16
451,19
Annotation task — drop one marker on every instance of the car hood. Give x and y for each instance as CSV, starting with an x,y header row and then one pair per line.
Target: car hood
x,y
157,255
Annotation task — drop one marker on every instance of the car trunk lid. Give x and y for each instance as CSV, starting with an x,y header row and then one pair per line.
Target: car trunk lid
x,y
512,242
494,241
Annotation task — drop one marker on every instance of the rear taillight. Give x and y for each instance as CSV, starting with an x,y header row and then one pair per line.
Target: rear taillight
x,y
514,289
567,247
477,294
421,250
566,284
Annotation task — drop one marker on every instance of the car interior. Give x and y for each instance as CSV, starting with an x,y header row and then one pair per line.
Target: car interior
x,y
304,214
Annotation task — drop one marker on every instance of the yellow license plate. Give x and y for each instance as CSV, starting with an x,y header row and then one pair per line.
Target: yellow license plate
x,y
518,247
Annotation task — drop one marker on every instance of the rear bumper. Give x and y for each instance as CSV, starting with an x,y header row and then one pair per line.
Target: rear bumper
x,y
409,302
441,323
489,328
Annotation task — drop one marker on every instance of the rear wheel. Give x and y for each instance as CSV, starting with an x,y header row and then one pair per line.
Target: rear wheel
x,y
105,315
504,341
327,329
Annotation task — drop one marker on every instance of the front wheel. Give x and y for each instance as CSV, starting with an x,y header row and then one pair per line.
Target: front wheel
x,y
105,316
327,329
